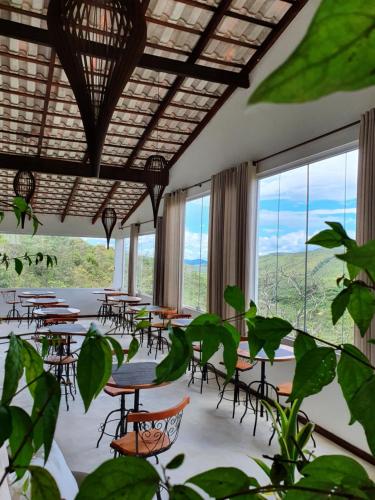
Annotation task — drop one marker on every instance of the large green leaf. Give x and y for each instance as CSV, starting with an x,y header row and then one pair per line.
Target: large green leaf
x,y
5,424
316,369
117,349
333,473
45,411
269,332
20,440
43,485
133,349
183,492
363,410
93,368
128,478
176,462
328,238
336,54
222,481
340,303
234,296
230,339
361,256
176,362
13,368
33,363
361,307
303,344
352,374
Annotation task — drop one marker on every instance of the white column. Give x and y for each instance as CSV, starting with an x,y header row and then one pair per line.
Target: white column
x,y
118,272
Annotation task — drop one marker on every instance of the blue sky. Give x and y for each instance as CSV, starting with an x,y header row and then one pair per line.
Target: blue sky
x,y
326,188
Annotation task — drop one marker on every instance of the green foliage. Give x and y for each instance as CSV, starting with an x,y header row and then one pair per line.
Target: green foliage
x,y
5,424
133,349
45,411
314,370
43,486
303,344
336,54
235,297
334,473
94,366
267,334
20,440
222,482
13,369
128,478
183,492
176,462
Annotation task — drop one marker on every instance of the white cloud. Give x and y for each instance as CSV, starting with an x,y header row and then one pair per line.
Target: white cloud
x,y
193,246
291,242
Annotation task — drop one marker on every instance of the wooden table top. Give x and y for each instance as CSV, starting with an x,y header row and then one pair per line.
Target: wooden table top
x,y
124,298
284,353
57,311
181,322
108,292
150,308
47,300
137,375
69,328
34,295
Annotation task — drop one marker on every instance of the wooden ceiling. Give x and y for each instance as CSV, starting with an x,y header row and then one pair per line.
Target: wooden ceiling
x,y
198,52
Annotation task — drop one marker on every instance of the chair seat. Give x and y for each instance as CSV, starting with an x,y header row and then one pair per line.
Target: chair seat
x,y
284,389
11,302
60,360
160,325
150,442
115,391
243,366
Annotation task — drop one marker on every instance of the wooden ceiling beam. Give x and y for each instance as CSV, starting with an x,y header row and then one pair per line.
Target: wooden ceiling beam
x,y
196,52
46,100
71,198
71,168
41,36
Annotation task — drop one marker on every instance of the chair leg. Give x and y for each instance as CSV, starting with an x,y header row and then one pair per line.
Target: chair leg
x,y
104,425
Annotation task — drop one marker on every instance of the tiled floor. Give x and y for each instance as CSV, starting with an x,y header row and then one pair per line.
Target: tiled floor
x,y
208,437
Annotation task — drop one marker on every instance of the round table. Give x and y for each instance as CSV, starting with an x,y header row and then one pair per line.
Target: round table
x,y
56,312
134,376
33,295
45,301
282,354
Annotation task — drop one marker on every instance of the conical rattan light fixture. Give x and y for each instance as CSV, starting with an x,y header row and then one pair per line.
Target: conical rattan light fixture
x,y
24,187
155,166
109,219
99,43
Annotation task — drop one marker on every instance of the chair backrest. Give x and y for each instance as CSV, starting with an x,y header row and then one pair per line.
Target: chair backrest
x,y
8,295
157,431
60,321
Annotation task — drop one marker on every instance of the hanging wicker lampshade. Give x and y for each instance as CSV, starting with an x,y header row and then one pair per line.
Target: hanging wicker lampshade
x,y
155,166
99,43
24,187
109,219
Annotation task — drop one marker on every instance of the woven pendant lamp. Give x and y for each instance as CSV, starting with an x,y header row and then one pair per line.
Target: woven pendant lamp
x,y
24,187
99,43
109,219
155,167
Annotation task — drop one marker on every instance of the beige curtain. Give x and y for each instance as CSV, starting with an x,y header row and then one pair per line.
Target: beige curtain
x,y
133,255
174,232
366,206
159,263
232,237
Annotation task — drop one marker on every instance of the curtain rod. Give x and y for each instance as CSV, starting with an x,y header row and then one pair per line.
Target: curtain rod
x,y
198,184
308,141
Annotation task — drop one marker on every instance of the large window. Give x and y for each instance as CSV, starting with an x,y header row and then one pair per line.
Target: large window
x,y
81,262
145,264
196,253
126,262
298,281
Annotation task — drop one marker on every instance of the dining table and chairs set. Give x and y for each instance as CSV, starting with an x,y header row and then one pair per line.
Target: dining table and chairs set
x,y
134,429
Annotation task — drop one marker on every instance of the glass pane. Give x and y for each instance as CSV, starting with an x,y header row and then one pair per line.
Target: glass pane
x,y
145,264
268,221
196,253
81,262
332,198
291,246
126,262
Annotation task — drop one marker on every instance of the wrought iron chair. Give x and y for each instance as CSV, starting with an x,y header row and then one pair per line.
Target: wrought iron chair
x,y
9,297
242,366
159,342
153,433
202,373
256,392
